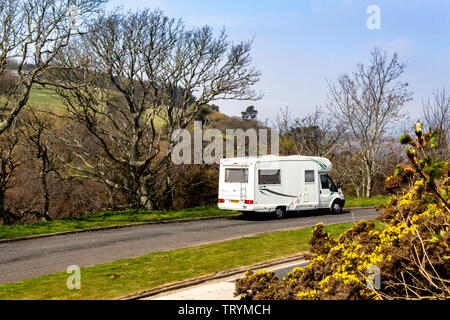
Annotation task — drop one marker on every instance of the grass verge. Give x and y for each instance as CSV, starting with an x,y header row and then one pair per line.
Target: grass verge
x,y
351,202
129,276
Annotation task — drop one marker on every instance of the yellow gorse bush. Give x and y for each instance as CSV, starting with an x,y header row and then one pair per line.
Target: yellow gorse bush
x,y
411,250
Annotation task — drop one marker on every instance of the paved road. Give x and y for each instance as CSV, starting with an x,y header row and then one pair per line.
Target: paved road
x,y
31,258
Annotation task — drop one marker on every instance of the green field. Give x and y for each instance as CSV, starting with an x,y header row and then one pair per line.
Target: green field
x,y
45,99
130,276
48,100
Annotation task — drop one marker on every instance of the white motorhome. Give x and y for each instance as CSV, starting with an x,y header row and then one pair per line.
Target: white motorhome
x,y
278,184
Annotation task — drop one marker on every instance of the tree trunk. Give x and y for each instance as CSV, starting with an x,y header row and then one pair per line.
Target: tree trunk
x,y
169,197
368,190
143,196
4,214
369,186
6,218
45,214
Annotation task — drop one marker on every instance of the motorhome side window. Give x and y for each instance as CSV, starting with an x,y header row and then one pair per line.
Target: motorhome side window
x,y
269,176
309,175
236,175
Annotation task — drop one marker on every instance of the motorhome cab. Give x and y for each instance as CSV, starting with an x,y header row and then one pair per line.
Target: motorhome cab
x,y
278,184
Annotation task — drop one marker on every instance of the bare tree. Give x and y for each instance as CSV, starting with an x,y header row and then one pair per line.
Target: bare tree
x,y
136,80
316,134
436,114
32,34
38,141
9,163
368,101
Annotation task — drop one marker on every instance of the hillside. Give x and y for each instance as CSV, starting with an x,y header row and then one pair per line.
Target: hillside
x,y
48,100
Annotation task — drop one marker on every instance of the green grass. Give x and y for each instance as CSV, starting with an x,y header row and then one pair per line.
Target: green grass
x,y
45,99
365,201
129,276
105,219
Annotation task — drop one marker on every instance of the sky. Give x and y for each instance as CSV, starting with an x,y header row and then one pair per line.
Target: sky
x,y
299,45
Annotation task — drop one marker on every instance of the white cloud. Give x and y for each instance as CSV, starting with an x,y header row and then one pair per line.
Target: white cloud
x,y
403,45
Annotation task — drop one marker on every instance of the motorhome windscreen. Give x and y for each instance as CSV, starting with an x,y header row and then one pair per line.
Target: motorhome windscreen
x,y
269,177
236,175
327,183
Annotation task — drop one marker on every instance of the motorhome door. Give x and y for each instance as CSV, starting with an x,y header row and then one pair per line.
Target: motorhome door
x,y
310,197
327,190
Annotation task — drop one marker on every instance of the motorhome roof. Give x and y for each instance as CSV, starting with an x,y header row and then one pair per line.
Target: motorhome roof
x,y
324,165
273,158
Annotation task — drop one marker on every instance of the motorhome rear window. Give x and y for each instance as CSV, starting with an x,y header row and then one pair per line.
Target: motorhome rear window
x,y
269,177
236,175
309,175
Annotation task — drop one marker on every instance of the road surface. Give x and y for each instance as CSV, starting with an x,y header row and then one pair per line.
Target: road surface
x,y
32,258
